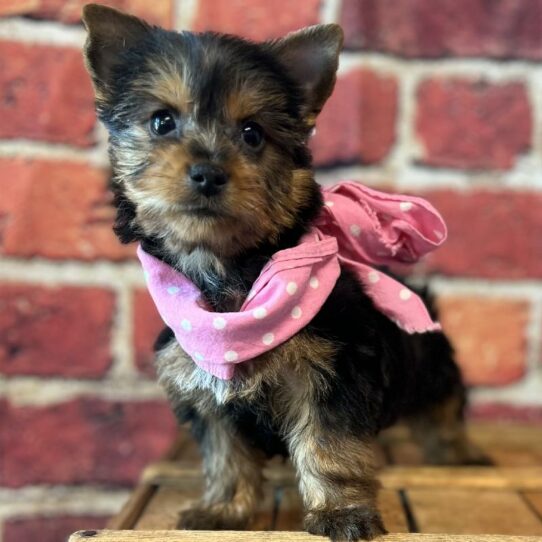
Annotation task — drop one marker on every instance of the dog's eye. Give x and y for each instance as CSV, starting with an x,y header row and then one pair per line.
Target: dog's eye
x,y
252,134
163,122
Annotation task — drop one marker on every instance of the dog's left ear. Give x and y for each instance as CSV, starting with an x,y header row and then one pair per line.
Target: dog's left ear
x,y
311,57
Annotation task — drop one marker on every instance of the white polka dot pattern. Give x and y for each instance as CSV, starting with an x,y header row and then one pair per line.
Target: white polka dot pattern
x,y
219,322
260,313
291,288
231,355
360,229
405,294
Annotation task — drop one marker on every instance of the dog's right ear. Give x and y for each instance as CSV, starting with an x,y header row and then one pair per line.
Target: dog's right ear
x,y
110,32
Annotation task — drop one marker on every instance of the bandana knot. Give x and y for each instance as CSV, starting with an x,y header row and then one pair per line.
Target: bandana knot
x,y
358,228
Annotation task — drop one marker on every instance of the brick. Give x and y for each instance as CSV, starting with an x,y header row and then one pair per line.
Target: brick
x,y
55,331
491,234
414,28
357,124
82,441
256,19
49,529
506,412
56,210
147,326
473,124
489,336
45,94
158,12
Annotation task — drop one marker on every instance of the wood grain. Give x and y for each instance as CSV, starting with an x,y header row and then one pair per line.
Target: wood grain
x,y
509,445
162,511
394,477
505,499
133,508
274,536
393,514
468,511
526,478
534,499
289,515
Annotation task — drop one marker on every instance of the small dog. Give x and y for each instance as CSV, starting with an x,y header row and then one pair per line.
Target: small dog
x,y
212,176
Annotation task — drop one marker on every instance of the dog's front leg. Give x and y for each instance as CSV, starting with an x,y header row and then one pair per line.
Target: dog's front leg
x,y
233,478
336,472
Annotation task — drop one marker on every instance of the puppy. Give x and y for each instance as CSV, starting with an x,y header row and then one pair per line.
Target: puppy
x,y
212,176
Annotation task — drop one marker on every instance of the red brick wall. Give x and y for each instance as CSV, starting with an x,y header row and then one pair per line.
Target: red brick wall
x,y
444,102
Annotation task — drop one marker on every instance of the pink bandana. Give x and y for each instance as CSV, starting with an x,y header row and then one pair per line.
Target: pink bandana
x,y
358,228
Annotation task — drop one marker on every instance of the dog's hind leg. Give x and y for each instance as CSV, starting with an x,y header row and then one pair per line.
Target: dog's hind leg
x,y
440,431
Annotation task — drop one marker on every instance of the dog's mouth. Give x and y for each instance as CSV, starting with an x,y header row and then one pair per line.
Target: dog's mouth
x,y
202,211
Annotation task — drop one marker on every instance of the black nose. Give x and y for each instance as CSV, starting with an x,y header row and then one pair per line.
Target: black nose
x,y
207,179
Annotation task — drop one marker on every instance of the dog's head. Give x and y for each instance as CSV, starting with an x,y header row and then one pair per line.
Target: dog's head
x,y
209,132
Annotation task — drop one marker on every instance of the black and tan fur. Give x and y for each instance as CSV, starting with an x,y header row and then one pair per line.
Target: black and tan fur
x,y
322,396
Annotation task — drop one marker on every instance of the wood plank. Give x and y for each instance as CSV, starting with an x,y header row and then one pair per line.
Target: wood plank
x,y
162,511
399,447
289,516
509,444
527,478
472,512
133,508
171,473
534,498
392,511
273,536
290,513
394,477
187,449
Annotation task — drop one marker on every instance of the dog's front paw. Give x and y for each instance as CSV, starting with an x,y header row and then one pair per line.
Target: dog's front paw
x,y
211,518
349,523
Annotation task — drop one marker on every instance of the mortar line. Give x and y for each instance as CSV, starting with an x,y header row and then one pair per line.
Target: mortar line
x,y
128,274
185,16
530,289
534,79
25,148
42,32
51,500
485,68
405,175
330,11
122,335
57,273
45,391
405,147
534,338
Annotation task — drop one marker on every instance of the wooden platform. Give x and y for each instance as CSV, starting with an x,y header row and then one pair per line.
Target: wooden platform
x,y
417,501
